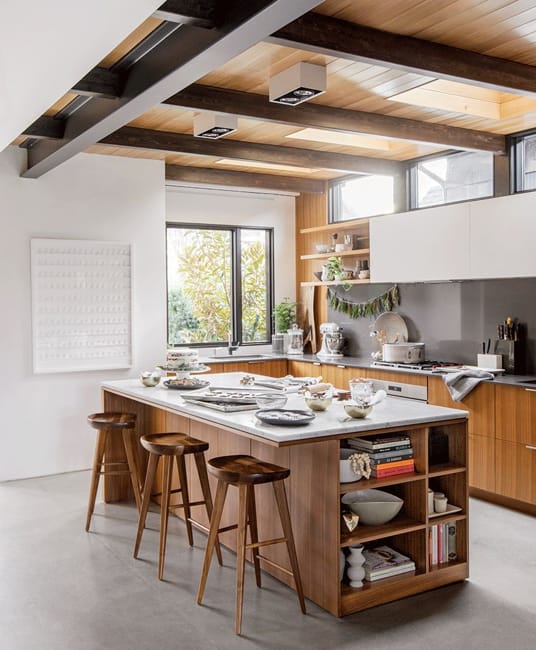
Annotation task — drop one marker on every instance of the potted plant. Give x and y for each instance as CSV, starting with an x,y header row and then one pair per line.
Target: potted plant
x,y
284,315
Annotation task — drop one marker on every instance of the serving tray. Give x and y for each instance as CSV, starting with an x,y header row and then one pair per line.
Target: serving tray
x,y
285,417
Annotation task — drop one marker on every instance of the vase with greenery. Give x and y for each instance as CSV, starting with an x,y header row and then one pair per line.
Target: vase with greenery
x,y
284,315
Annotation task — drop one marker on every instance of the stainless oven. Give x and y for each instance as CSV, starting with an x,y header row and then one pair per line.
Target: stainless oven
x,y
402,389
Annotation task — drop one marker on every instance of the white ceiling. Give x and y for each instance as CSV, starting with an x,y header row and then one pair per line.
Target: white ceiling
x,y
46,47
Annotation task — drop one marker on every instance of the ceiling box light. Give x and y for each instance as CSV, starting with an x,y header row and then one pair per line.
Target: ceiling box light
x,y
298,83
214,125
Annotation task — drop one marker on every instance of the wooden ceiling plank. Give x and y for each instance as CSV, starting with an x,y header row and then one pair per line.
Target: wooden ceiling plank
x,y
333,37
180,142
256,106
201,13
186,55
207,176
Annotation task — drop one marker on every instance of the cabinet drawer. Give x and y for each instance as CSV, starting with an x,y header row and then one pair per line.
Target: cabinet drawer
x,y
482,463
515,414
516,471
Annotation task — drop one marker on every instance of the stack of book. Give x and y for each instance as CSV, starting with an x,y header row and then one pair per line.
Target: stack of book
x,y
389,455
442,543
384,562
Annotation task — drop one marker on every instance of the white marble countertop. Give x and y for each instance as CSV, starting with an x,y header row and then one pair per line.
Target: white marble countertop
x,y
392,412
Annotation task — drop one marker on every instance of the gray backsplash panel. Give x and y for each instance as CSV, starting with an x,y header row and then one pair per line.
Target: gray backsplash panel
x,y
451,318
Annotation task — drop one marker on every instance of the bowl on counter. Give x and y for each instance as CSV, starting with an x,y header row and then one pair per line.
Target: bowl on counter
x,y
271,400
358,411
374,507
150,378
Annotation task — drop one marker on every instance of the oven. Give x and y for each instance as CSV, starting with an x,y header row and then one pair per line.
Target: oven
x,y
402,389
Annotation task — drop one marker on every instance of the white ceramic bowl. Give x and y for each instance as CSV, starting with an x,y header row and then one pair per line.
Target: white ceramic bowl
x,y
270,401
346,473
374,507
322,248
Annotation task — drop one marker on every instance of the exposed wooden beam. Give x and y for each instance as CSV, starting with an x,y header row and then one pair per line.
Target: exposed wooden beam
x,y
181,143
342,39
257,106
100,82
45,127
243,179
201,13
186,55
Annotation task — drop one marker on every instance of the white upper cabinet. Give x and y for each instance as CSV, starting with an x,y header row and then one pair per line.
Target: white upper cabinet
x,y
431,244
503,237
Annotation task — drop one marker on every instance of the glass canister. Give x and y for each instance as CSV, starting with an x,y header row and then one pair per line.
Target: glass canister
x,y
278,343
295,343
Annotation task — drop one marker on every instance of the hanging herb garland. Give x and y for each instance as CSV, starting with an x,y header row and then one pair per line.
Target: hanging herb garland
x,y
373,307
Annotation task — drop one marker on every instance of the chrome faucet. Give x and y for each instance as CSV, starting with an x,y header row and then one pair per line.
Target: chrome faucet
x,y
231,347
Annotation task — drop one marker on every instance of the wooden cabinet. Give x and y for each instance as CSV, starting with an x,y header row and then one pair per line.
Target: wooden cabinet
x,y
272,368
410,531
338,375
481,463
515,409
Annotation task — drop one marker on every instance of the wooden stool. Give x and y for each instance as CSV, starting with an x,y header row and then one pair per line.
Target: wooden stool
x,y
169,446
110,424
245,472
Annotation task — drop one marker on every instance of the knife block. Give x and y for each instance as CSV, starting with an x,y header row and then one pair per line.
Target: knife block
x,y
513,359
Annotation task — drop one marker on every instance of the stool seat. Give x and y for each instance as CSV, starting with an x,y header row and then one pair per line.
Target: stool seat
x,y
171,444
244,472
246,469
112,420
112,423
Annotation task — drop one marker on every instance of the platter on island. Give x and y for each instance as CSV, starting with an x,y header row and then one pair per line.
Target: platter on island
x,y
285,417
224,397
185,383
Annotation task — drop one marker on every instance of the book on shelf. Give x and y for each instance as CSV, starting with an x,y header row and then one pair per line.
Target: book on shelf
x,y
384,561
379,443
442,543
451,544
405,462
391,455
392,471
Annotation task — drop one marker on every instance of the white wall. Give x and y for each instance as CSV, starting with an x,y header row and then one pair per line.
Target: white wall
x,y
240,209
89,197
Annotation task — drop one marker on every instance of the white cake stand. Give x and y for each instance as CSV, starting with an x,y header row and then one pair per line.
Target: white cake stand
x,y
183,373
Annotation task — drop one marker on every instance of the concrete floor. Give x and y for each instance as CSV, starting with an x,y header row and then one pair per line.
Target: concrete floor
x,y
64,589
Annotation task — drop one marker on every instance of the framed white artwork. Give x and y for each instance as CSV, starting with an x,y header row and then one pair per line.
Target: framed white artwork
x,y
81,305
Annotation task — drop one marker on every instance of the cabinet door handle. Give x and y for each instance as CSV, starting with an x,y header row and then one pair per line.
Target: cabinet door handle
x,y
530,390
316,363
338,366
531,447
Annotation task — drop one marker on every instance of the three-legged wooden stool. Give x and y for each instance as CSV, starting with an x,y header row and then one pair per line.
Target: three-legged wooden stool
x,y
112,423
169,446
245,472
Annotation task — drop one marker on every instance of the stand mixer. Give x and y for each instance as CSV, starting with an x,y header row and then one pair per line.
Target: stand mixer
x,y
332,340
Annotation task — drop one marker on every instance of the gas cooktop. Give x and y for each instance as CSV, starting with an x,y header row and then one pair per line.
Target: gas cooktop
x,y
429,366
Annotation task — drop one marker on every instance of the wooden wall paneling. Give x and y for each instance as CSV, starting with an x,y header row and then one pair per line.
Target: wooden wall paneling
x,y
314,480
482,462
267,514
516,471
515,413
480,404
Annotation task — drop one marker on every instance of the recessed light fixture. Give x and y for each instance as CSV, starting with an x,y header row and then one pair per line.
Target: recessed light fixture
x,y
214,125
298,83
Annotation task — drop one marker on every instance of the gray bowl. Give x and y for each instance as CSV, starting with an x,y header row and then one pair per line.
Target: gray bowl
x,y
374,507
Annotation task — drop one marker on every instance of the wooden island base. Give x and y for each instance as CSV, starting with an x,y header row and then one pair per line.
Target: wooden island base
x,y
314,493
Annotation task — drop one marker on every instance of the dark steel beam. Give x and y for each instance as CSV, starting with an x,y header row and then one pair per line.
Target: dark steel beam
x,y
100,82
342,39
185,56
201,13
243,179
45,127
181,143
257,106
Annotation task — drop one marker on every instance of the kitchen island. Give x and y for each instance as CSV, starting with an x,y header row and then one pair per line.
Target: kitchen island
x,y
314,489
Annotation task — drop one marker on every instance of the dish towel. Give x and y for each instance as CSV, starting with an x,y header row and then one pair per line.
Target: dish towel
x,y
459,384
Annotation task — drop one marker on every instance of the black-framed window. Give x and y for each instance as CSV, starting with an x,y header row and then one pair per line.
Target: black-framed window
x,y
442,179
219,284
356,197
523,156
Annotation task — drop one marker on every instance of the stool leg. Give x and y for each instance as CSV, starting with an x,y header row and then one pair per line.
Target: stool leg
x,y
241,552
282,505
205,489
185,497
164,513
147,487
219,501
133,468
100,444
252,516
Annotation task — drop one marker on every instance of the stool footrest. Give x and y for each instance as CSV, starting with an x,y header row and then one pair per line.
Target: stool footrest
x,y
267,542
226,528
283,569
115,472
